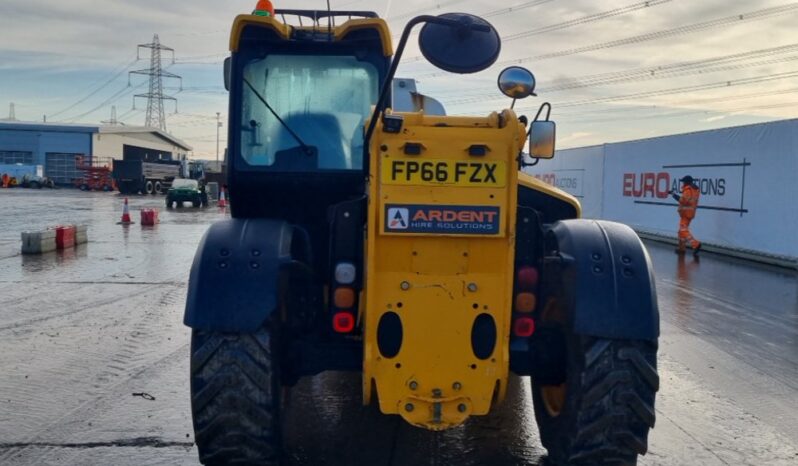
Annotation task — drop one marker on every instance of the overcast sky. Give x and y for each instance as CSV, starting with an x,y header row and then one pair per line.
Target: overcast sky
x,y
613,70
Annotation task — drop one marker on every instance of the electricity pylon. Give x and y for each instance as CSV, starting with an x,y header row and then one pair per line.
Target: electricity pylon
x,y
155,97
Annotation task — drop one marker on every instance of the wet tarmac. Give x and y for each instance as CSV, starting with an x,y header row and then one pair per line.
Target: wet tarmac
x,y
83,330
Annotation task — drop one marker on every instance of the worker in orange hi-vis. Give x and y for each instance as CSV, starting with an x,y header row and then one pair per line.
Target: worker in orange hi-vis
x,y
688,202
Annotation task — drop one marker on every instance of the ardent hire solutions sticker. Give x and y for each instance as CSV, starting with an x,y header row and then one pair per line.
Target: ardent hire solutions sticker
x,y
455,219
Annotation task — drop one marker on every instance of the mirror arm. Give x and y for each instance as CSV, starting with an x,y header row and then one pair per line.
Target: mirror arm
x,y
522,164
386,85
545,105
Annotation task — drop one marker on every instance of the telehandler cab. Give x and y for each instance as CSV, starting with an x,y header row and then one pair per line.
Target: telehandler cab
x,y
409,247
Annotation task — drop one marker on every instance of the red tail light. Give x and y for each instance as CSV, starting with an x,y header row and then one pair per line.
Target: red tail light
x,y
343,322
527,278
524,327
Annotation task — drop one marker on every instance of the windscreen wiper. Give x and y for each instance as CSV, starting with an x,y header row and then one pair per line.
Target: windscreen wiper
x,y
305,148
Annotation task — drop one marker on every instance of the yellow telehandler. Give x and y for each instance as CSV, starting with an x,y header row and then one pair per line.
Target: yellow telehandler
x,y
410,247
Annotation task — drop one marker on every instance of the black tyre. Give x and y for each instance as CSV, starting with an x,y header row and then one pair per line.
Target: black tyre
x,y
168,203
158,188
605,408
235,398
149,187
84,187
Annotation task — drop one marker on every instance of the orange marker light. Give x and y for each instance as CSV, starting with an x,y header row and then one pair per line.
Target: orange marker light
x,y
264,8
344,297
343,322
525,302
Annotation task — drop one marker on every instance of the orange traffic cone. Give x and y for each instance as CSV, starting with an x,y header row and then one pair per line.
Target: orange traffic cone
x,y
125,215
222,200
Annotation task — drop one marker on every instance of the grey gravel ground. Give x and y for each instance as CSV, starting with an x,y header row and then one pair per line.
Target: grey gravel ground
x,y
82,330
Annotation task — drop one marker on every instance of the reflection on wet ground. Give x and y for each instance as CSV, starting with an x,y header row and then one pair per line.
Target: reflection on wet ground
x,y
364,436
82,330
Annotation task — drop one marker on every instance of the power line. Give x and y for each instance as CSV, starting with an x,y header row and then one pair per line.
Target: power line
x,y
128,113
94,92
586,19
678,90
672,91
687,112
514,8
566,24
489,14
704,66
723,99
750,16
754,15
425,10
113,98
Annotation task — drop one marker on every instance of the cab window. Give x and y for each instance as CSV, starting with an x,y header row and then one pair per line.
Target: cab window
x,y
323,99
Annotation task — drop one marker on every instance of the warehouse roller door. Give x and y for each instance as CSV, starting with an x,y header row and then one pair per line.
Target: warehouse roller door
x,y
60,167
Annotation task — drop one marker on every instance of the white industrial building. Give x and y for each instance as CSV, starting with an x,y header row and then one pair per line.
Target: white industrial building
x,y
115,141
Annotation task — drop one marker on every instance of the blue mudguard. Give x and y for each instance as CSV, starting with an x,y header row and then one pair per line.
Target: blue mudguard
x,y
234,278
606,279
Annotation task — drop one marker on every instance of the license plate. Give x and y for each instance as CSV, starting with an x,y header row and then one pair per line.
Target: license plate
x,y
439,172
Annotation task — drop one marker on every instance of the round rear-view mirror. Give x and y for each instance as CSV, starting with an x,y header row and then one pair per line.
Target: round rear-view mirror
x,y
517,82
464,44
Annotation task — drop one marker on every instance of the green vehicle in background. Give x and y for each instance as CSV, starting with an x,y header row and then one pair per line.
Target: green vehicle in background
x,y
184,190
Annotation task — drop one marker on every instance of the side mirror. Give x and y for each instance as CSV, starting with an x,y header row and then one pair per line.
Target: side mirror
x,y
517,83
227,71
542,135
460,43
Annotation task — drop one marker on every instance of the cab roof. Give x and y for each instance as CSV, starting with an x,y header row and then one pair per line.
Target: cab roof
x,y
287,32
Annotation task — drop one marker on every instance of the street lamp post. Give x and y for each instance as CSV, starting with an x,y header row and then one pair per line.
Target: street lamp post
x,y
218,127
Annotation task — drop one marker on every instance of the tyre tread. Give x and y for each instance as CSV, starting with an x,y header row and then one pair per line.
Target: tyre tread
x,y
617,410
234,398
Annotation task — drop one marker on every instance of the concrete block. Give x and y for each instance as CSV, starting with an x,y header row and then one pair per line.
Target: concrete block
x,y
38,242
81,234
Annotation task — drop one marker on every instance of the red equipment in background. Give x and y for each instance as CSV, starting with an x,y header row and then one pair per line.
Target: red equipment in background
x,y
96,174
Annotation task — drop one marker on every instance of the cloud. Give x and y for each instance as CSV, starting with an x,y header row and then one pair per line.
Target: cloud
x,y
53,53
714,118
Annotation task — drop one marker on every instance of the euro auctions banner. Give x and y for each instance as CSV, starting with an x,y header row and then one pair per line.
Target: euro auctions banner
x,y
577,172
746,175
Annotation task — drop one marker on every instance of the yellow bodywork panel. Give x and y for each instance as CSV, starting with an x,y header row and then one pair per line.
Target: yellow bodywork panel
x,y
284,31
440,253
531,182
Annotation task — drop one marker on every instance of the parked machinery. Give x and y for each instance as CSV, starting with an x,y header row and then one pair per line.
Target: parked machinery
x,y
135,175
96,174
416,252
36,182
